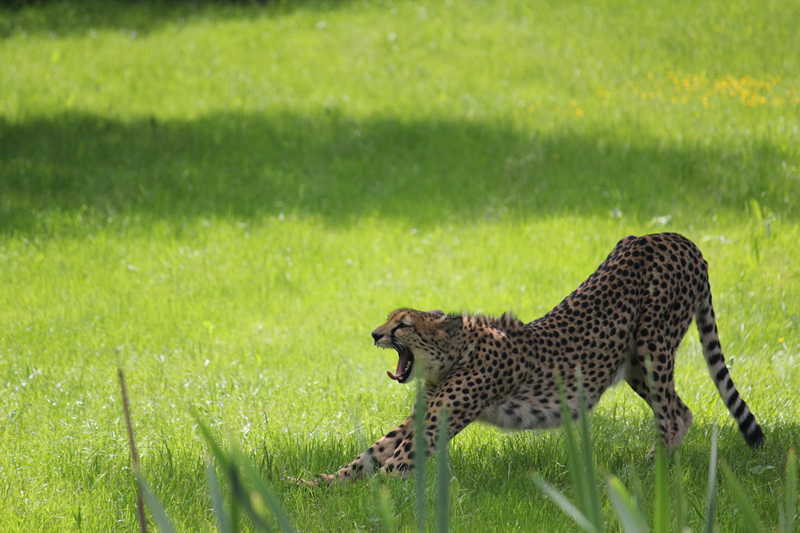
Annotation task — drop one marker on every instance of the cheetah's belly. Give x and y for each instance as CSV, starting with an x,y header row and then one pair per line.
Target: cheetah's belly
x,y
513,414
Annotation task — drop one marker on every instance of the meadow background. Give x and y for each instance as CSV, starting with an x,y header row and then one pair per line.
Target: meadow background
x,y
224,199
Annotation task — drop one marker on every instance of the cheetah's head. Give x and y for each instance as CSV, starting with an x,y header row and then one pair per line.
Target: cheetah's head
x,y
417,336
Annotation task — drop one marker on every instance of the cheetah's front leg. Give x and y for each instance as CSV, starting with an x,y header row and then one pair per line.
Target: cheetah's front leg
x,y
375,456
395,451
462,410
368,462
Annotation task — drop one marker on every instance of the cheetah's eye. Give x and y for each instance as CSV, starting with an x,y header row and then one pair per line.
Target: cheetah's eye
x,y
402,325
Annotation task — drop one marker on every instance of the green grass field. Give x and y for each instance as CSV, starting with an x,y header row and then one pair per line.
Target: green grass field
x,y
225,199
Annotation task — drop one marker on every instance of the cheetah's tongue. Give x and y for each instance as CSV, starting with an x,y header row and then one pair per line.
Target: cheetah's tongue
x,y
401,366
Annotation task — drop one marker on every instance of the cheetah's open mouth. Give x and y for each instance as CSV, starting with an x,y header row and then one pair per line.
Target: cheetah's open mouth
x,y
405,364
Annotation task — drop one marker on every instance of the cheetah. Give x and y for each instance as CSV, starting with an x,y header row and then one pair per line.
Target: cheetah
x,y
637,306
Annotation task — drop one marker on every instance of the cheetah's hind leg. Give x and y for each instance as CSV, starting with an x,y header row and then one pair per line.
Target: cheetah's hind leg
x,y
672,415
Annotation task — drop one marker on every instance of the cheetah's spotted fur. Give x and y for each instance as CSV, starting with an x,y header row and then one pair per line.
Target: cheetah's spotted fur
x,y
638,304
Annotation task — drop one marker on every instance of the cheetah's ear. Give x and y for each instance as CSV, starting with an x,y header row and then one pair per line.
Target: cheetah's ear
x,y
450,324
437,312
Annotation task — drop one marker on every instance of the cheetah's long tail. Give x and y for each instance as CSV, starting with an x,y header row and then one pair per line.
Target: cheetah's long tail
x,y
709,337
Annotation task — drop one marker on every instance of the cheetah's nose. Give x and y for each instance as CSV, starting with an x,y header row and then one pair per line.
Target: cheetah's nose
x,y
376,336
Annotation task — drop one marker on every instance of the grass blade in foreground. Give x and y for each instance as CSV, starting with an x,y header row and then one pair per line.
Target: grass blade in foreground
x,y
420,454
590,485
712,481
787,517
134,454
566,505
159,515
226,466
579,452
584,512
630,516
443,476
385,514
661,518
217,501
263,490
751,520
241,498
681,507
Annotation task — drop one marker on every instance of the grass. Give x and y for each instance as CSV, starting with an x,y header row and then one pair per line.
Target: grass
x,y
225,199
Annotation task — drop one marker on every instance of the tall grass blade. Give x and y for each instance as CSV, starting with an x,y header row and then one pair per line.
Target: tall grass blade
x,y
241,498
752,522
443,475
217,500
216,450
711,502
589,474
681,506
790,507
235,510
636,490
661,500
159,515
134,455
628,512
573,455
420,454
567,506
661,515
227,467
581,468
755,210
385,514
264,491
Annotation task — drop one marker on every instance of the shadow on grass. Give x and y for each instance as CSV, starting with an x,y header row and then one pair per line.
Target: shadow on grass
x,y
490,461
621,443
76,17
342,170
492,470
